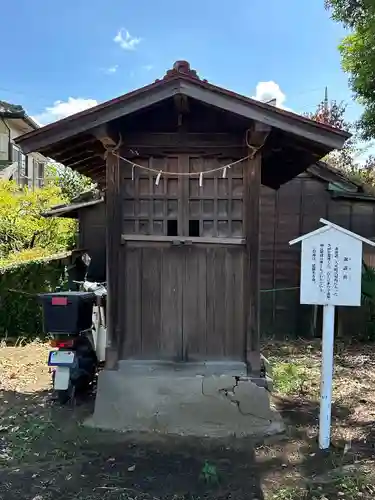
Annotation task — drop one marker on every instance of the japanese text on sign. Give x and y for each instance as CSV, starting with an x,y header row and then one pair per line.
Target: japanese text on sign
x,y
331,269
330,273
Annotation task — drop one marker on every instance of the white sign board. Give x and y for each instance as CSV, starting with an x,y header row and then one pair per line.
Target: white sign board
x,y
331,269
331,275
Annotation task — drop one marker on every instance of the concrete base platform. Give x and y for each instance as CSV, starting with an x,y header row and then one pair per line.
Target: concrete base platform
x,y
196,399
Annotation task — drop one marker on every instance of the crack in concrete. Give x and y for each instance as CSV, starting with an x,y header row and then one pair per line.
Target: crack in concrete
x,y
229,393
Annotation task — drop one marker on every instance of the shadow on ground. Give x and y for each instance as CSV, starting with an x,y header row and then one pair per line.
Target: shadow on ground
x,y
46,453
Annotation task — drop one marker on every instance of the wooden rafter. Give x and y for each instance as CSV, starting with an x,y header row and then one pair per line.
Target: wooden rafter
x,y
85,160
58,150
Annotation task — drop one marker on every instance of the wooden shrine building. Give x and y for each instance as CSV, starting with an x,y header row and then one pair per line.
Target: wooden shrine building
x,y
181,162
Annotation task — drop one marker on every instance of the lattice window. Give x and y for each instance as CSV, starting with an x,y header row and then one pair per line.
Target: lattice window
x,y
179,206
151,209
215,209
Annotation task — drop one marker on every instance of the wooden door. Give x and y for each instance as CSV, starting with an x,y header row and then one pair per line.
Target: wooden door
x,y
184,262
152,313
213,315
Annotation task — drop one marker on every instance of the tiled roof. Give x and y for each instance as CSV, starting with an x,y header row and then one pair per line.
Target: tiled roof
x,y
7,108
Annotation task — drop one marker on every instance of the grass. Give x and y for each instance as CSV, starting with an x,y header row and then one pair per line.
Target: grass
x,y
346,488
290,378
46,453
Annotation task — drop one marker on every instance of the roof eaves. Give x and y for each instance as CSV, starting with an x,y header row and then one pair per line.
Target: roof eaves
x,y
319,168
16,112
266,106
31,122
83,121
253,109
248,108
94,109
353,196
65,209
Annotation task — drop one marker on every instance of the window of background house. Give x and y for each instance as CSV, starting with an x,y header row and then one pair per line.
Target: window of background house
x,y
15,154
40,174
23,165
30,171
16,158
22,170
4,146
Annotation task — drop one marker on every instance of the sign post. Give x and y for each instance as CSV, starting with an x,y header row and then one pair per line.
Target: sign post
x,y
331,275
326,376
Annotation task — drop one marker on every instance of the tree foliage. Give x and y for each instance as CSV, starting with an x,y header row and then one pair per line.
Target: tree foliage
x,y
331,113
69,181
349,12
20,312
22,226
358,54
347,159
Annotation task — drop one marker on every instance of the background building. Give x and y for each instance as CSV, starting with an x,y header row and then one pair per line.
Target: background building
x,y
26,170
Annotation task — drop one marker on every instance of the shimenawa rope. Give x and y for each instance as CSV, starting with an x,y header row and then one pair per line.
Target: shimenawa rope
x,y
113,150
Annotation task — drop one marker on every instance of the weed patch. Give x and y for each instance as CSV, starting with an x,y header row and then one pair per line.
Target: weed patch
x,y
290,378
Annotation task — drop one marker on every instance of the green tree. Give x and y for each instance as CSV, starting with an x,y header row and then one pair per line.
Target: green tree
x,y
333,113
22,226
347,159
358,54
70,182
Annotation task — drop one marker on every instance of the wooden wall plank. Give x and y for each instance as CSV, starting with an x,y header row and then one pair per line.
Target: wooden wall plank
x,y
171,278
234,328
220,307
132,309
213,344
151,301
217,307
301,203
195,301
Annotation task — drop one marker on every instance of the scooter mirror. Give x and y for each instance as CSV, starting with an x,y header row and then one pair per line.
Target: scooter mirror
x,y
86,259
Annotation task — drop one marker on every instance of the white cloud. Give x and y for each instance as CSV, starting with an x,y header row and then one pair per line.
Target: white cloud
x,y
112,69
62,109
126,41
267,91
148,67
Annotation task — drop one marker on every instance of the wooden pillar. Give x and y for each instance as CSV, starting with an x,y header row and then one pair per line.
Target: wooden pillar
x,y
113,245
113,242
252,183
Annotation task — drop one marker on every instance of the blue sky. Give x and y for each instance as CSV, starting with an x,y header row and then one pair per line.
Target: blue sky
x,y
61,56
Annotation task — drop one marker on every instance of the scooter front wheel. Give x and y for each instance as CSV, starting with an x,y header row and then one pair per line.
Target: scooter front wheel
x,y
64,397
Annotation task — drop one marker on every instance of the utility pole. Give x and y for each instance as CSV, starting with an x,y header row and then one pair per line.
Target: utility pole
x,y
326,103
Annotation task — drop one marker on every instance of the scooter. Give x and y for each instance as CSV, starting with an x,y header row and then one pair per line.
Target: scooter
x,y
99,327
76,322
73,365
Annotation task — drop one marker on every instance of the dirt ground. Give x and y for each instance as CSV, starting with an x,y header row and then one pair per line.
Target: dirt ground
x,y
46,453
